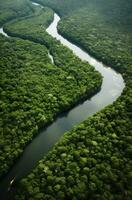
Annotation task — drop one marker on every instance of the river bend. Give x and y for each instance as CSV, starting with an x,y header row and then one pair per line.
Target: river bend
x,y
111,89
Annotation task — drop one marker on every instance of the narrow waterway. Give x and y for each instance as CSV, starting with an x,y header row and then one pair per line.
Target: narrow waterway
x,y
2,32
111,89
51,58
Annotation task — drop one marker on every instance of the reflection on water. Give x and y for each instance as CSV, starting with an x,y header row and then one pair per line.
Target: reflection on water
x,y
112,82
112,87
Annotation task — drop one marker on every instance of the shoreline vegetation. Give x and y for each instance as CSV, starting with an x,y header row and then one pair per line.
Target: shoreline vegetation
x,y
93,160
34,91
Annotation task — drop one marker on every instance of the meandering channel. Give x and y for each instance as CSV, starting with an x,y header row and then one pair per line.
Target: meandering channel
x,y
111,89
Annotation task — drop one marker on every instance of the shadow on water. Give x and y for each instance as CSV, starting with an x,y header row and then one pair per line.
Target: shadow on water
x,y
111,89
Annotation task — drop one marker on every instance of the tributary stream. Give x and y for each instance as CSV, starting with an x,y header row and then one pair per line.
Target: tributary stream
x,y
111,89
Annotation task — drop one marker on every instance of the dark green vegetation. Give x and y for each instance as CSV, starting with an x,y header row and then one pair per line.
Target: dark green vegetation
x,y
10,9
113,42
63,7
93,161
90,162
67,7
33,91
33,25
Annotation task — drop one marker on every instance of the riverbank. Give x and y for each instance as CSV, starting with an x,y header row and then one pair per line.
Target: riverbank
x,y
106,78
96,145
37,90
91,161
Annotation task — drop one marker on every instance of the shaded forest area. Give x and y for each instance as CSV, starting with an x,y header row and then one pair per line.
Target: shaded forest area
x,y
93,160
33,91
13,9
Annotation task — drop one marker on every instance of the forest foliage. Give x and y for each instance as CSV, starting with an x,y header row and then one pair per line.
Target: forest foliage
x,y
33,91
11,9
113,42
94,159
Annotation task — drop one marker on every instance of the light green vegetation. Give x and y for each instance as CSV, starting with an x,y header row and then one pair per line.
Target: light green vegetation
x,y
33,91
93,160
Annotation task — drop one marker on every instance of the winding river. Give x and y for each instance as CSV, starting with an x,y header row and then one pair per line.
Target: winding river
x,y
111,89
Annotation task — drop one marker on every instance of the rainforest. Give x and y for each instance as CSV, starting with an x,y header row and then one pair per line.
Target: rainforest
x,y
66,85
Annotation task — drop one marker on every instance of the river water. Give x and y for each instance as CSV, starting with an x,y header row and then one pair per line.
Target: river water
x,y
111,89
2,32
51,58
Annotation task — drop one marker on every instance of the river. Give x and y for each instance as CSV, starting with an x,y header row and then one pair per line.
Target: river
x,y
2,32
111,89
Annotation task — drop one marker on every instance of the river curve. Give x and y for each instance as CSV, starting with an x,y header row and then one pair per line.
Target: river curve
x,y
111,89
3,33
